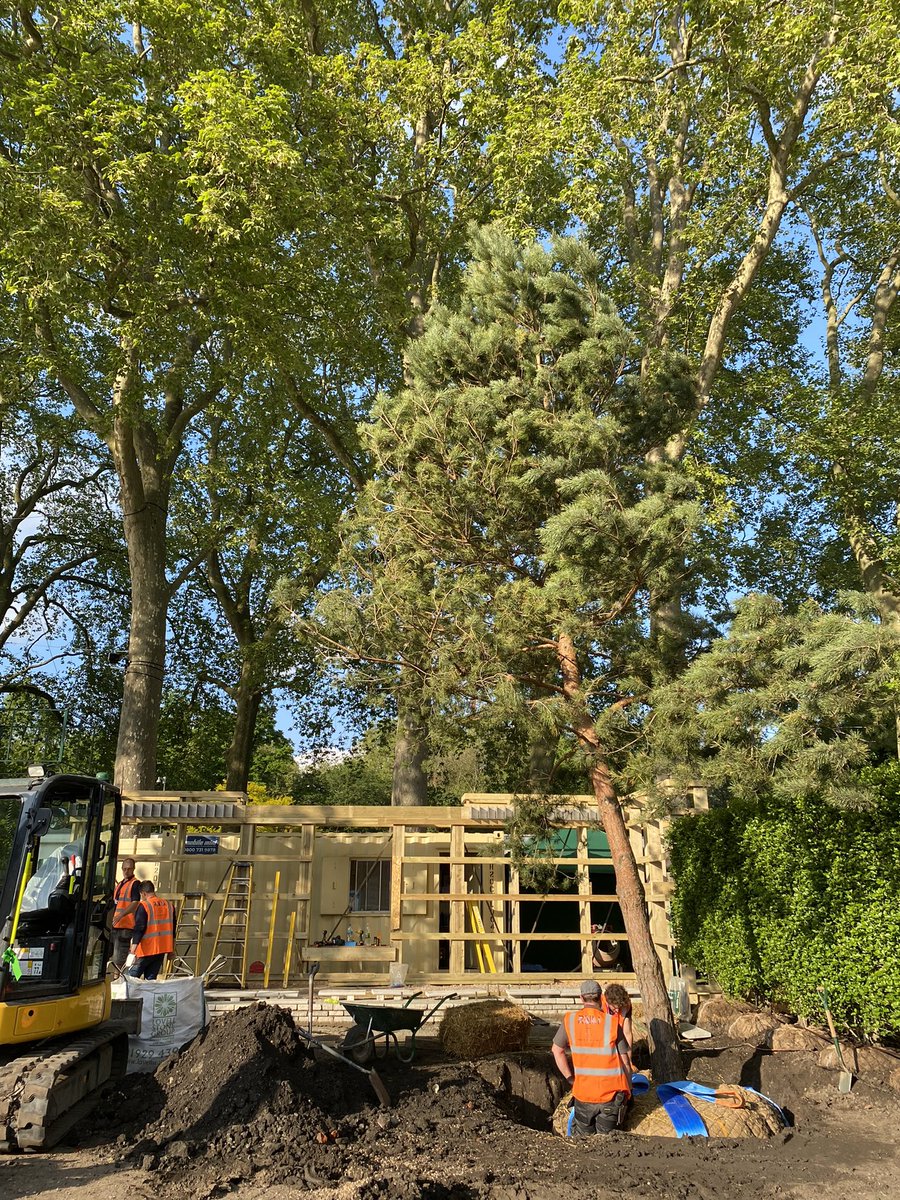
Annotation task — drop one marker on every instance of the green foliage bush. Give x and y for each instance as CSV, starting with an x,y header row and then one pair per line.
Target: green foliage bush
x,y
777,899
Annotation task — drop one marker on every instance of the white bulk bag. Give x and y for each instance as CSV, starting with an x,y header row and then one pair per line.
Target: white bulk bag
x,y
173,1011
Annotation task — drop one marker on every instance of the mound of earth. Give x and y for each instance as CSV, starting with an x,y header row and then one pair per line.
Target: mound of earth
x,y
246,1099
246,1110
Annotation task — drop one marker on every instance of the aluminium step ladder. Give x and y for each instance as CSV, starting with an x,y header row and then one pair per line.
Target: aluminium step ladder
x,y
189,919
232,931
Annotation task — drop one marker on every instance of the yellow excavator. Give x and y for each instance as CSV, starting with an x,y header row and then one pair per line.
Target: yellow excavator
x,y
59,839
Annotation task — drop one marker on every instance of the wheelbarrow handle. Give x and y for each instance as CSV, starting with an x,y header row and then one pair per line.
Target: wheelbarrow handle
x,y
427,1016
414,996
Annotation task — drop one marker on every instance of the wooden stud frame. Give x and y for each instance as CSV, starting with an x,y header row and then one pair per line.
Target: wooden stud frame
x,y
495,888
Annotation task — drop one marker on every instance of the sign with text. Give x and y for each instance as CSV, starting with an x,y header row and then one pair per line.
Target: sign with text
x,y
201,843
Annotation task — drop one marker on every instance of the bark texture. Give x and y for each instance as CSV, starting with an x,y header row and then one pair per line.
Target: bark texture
x,y
663,1034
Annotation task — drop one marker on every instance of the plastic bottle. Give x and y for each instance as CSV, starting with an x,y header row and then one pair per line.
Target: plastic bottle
x,y
350,941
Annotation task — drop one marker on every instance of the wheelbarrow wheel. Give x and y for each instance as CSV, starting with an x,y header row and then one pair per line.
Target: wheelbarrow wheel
x,y
359,1044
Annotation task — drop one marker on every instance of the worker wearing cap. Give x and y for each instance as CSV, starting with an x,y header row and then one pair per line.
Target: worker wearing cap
x,y
591,1053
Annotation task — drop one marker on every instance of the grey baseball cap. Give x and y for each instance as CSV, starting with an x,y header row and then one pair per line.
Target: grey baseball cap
x,y
590,987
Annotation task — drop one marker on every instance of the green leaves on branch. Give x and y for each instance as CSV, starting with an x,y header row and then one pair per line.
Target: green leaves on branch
x,y
779,898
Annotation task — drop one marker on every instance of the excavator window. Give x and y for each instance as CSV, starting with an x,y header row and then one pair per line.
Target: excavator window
x,y
10,807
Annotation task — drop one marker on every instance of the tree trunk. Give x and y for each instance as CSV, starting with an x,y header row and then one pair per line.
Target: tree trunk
x,y
410,783
145,536
665,1053
237,757
663,1034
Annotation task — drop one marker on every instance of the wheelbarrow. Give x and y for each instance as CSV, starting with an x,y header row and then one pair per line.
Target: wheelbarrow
x,y
375,1028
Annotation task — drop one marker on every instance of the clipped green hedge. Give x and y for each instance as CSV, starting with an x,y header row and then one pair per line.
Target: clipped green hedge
x,y
777,899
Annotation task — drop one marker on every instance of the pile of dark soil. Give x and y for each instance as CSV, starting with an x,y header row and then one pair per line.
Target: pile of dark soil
x,y
246,1100
245,1108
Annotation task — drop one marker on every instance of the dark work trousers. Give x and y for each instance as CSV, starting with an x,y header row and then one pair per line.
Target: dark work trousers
x,y
147,967
599,1118
121,946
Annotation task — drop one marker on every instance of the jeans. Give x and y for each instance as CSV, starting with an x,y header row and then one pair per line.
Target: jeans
x,y
147,967
121,946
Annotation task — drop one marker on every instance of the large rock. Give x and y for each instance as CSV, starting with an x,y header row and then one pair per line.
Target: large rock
x,y
753,1027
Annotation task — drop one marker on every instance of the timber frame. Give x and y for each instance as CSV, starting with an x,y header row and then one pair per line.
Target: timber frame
x,y
467,840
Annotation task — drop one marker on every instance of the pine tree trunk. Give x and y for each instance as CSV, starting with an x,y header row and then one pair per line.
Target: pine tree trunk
x,y
237,758
410,783
664,1049
145,536
665,1053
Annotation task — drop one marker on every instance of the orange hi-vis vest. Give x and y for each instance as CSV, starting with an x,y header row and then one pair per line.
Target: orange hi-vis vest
x,y
160,935
122,897
599,1074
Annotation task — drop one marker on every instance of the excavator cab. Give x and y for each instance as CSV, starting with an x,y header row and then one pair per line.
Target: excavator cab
x,y
58,845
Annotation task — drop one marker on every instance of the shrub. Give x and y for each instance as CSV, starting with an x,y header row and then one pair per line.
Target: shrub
x,y
778,899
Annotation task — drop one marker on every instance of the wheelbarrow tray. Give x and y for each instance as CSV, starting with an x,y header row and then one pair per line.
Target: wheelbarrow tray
x,y
382,1019
372,1022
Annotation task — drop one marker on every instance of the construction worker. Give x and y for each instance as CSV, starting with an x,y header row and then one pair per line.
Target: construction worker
x,y
617,1000
127,897
153,936
591,1053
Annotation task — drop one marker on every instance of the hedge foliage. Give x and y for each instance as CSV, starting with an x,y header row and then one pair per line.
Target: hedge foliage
x,y
777,899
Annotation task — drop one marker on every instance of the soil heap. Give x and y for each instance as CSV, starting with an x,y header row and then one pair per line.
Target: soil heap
x,y
246,1099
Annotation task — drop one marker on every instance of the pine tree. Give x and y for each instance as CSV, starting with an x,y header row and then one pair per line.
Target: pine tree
x,y
517,524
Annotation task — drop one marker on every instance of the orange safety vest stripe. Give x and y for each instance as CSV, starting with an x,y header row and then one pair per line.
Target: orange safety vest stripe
x,y
121,919
160,935
593,1034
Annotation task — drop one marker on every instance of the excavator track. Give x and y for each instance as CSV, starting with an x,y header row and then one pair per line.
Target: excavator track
x,y
43,1094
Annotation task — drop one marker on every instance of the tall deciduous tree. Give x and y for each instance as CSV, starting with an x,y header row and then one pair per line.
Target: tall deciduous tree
x,y
163,194
512,476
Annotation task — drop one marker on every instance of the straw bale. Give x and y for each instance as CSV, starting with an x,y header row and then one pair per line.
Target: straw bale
x,y
648,1118
486,1027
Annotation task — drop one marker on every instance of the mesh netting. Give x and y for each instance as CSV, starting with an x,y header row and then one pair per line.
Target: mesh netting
x,y
753,1118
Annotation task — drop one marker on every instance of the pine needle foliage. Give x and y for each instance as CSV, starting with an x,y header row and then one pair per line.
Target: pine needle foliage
x,y
514,497
788,704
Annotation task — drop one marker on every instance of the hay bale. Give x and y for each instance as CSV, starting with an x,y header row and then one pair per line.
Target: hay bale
x,y
648,1118
755,1028
795,1037
486,1027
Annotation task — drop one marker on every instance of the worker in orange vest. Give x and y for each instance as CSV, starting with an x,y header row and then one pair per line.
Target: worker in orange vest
x,y
592,1054
127,897
153,936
